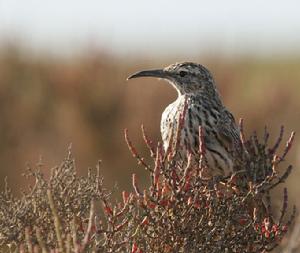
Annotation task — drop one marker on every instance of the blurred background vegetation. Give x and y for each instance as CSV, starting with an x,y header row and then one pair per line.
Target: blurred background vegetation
x,y
75,90
48,103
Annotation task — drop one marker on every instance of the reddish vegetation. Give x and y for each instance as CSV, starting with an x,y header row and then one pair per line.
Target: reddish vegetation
x,y
180,211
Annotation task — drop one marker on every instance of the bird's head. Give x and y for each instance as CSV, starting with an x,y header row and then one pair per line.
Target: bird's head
x,y
186,77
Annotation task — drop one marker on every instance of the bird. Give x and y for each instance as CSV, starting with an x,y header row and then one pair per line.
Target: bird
x,y
197,92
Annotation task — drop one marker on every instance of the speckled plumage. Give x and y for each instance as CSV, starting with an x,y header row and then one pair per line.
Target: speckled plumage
x,y
195,84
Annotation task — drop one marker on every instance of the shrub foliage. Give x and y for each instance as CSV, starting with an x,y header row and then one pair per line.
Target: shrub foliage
x,y
183,209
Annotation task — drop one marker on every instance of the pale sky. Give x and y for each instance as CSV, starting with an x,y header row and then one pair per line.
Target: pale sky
x,y
158,26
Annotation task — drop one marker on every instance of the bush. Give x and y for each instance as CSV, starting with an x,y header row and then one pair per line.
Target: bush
x,y
182,210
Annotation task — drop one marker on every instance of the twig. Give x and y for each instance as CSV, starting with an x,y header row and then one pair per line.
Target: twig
x,y
57,223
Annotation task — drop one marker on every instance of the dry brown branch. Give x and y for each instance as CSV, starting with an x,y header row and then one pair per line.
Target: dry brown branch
x,y
179,211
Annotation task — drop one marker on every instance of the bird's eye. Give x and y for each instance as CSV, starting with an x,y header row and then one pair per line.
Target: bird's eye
x,y
182,73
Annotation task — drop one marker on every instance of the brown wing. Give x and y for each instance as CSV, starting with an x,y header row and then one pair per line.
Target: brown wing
x,y
228,130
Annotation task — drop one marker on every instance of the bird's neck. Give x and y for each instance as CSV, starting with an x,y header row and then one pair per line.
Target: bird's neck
x,y
204,96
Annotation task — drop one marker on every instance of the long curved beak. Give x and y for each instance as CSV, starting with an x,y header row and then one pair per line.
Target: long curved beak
x,y
159,73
